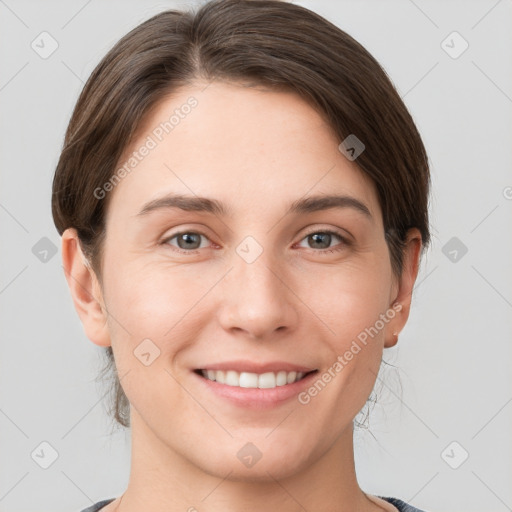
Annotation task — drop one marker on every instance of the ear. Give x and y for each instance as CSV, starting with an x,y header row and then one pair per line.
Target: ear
x,y
85,289
401,303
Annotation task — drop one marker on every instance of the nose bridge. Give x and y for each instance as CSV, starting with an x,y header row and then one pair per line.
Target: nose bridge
x,y
255,298
255,268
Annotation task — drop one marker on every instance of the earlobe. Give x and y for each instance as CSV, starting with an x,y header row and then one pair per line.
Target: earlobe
x,y
85,289
411,261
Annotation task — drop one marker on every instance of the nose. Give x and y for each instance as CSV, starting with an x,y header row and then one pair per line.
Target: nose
x,y
257,298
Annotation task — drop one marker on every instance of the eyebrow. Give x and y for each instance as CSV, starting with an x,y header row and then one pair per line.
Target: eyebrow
x,y
203,204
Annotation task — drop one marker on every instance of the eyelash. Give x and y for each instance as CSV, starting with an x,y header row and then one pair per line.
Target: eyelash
x,y
345,242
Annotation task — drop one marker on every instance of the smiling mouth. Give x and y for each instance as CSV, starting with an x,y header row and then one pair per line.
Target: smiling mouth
x,y
267,380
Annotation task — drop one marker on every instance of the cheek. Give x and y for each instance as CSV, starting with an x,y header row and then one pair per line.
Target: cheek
x,y
155,316
156,302
348,300
161,301
152,319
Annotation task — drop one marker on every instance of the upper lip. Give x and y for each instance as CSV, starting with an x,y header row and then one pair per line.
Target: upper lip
x,y
254,367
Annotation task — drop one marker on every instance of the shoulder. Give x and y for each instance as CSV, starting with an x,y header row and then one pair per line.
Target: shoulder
x,y
97,506
402,506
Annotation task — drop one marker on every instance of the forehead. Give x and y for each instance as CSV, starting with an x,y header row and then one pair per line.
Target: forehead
x,y
242,145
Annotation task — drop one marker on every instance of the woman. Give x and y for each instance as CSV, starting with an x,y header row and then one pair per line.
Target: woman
x,y
274,146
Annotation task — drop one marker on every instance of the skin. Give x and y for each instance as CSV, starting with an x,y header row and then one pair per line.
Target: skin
x,y
256,151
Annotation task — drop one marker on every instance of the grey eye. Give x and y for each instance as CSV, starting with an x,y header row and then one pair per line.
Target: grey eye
x,y
187,240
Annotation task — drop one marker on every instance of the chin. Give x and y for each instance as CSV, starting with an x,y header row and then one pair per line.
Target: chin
x,y
261,472
246,462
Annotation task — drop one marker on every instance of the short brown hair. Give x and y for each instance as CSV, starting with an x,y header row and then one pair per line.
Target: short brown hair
x,y
264,42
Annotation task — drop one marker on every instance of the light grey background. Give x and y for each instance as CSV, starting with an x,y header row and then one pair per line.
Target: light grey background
x,y
453,356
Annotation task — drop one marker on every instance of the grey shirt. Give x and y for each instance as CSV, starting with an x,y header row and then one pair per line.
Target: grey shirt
x,y
399,504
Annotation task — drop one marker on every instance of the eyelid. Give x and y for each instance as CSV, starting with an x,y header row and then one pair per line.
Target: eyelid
x,y
330,229
184,228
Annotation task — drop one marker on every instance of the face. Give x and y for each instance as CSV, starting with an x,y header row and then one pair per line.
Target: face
x,y
256,286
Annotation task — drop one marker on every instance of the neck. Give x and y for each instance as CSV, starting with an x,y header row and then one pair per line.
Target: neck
x,y
162,480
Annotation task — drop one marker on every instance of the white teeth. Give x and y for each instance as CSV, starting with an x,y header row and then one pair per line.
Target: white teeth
x,y
281,378
248,380
232,378
267,380
253,380
291,377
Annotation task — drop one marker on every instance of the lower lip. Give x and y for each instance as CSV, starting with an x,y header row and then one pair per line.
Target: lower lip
x,y
256,398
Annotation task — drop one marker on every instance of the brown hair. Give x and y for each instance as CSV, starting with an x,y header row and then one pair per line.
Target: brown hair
x,y
264,42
